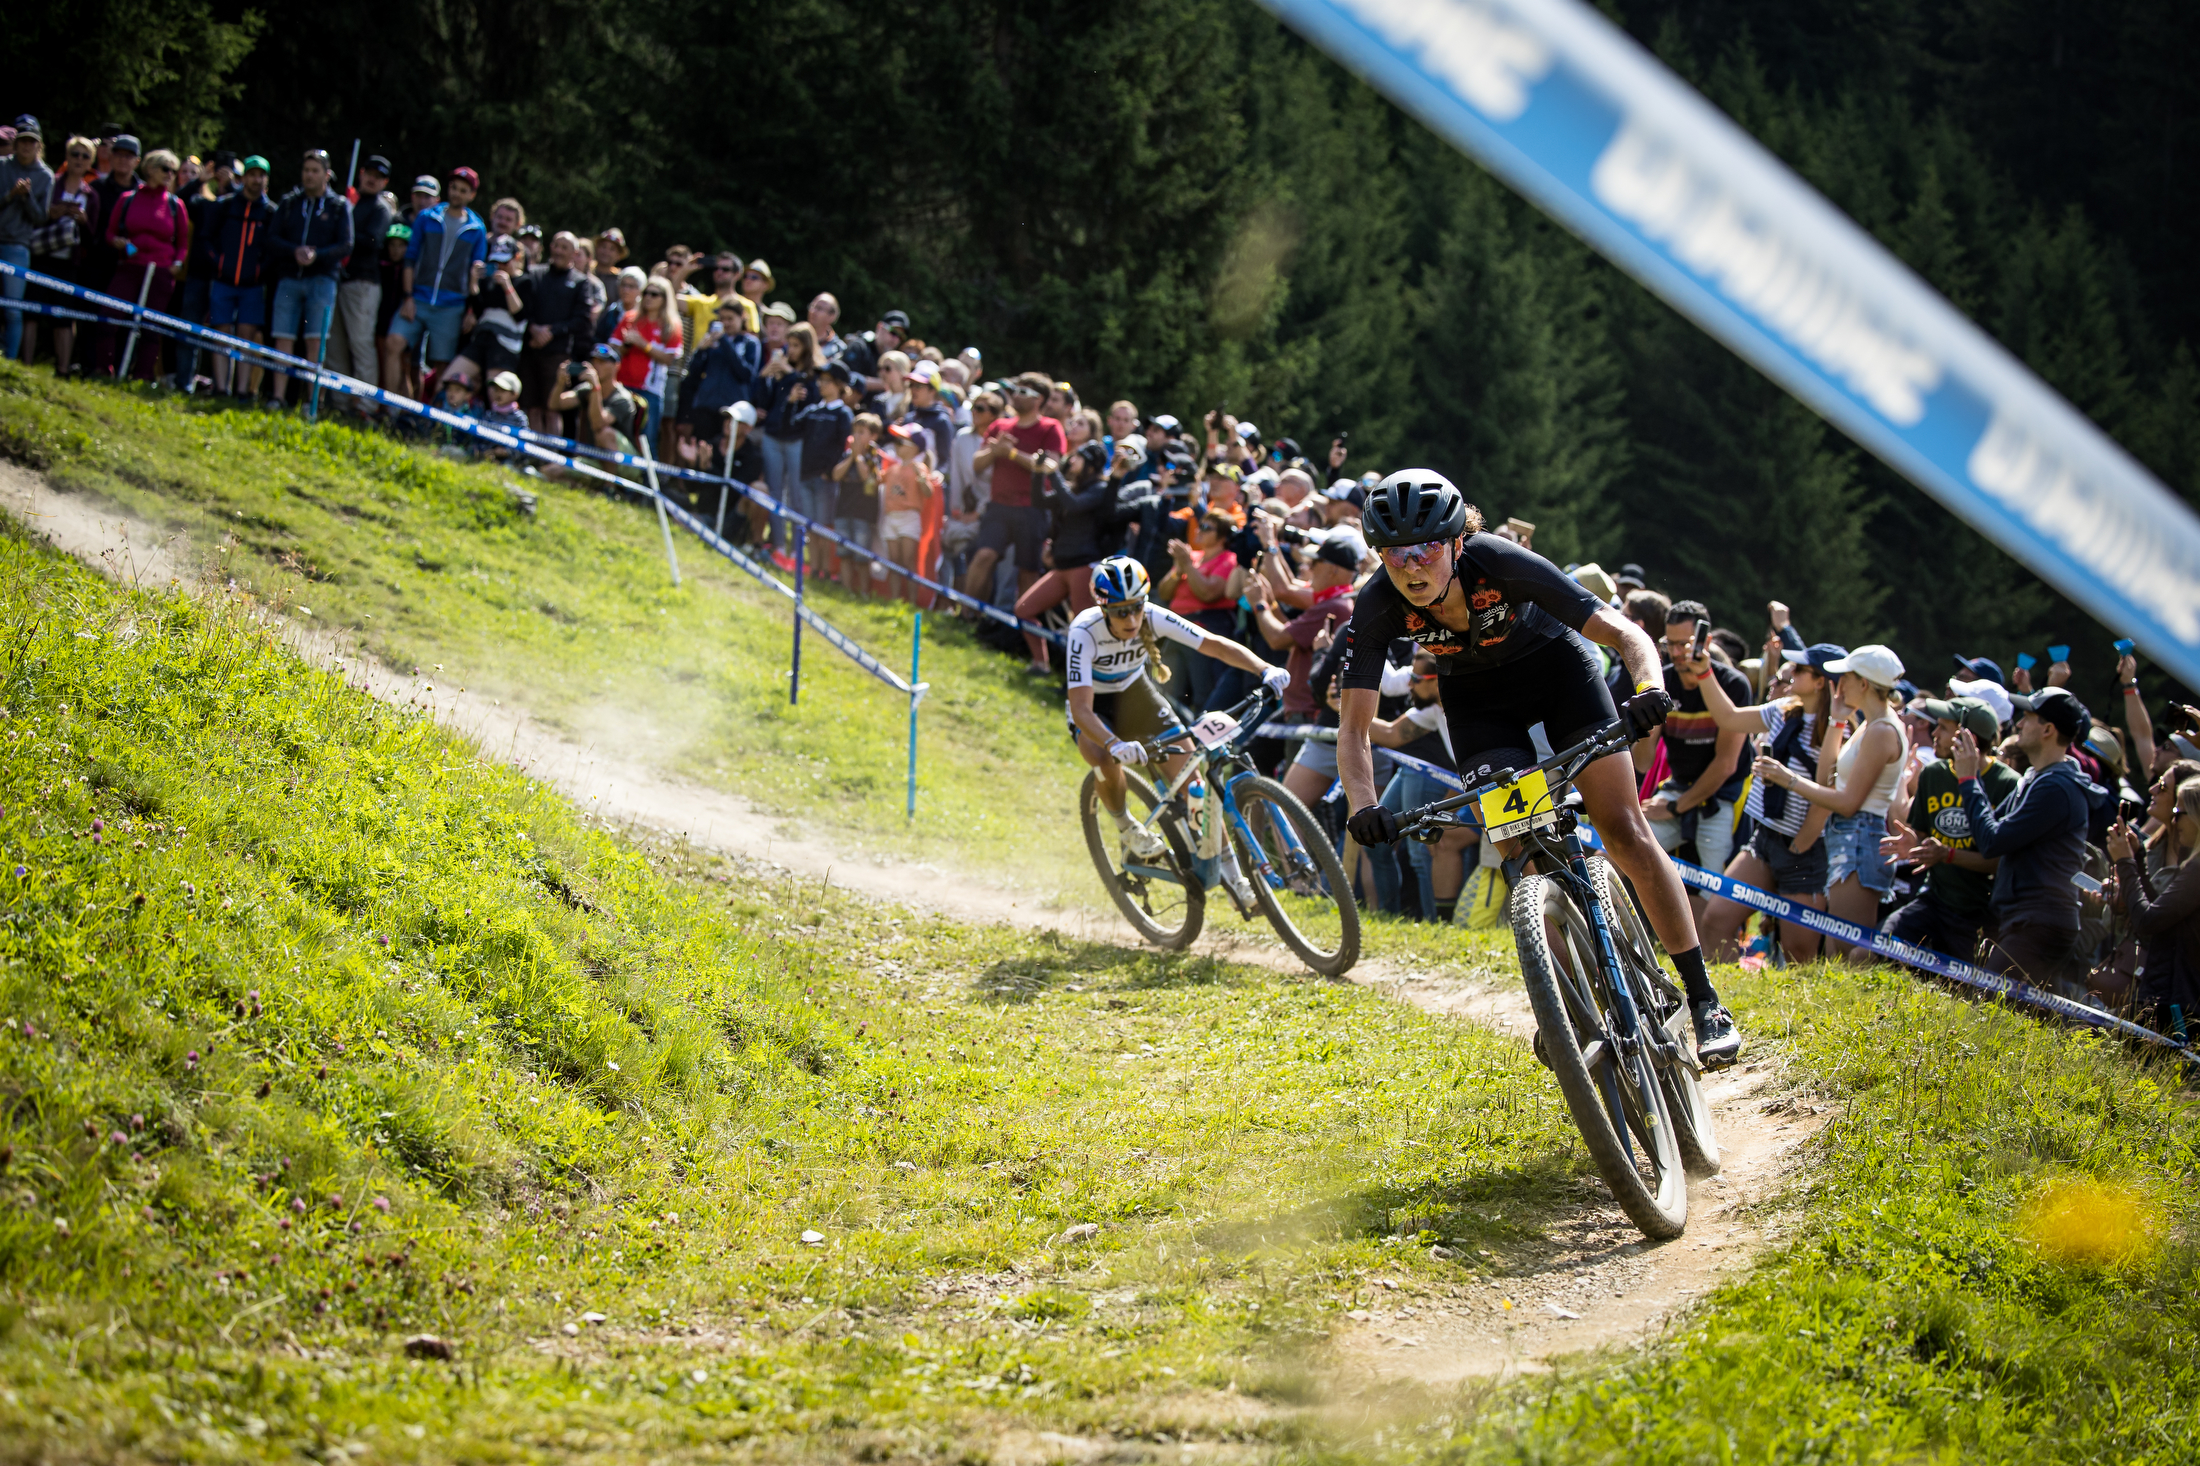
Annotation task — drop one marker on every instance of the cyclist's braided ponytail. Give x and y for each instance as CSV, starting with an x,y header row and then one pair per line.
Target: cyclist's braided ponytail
x,y
1154,664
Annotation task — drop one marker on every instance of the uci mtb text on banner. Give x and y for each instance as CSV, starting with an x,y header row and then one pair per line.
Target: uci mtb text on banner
x,y
1228,828
1611,1023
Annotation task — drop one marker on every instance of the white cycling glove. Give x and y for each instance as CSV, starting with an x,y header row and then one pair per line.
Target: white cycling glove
x,y
1123,751
1275,679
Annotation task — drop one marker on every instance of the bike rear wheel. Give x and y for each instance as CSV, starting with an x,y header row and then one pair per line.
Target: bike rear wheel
x,y
1679,1072
1165,901
1296,876
1611,1087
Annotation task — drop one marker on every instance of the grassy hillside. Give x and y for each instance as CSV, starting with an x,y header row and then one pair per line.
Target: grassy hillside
x,y
571,611
322,1033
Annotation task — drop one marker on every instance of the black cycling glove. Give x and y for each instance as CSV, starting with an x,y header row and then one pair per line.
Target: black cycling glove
x,y
1374,825
1646,711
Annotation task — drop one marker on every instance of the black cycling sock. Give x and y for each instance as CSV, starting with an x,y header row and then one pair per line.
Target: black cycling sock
x,y
1694,978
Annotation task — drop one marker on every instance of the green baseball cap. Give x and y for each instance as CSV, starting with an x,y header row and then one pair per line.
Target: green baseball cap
x,y
251,162
1964,712
399,231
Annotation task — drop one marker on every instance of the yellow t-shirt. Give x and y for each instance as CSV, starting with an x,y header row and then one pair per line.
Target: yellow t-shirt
x,y
703,309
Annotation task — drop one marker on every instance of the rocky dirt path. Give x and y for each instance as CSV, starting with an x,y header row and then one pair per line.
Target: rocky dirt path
x,y
1590,1281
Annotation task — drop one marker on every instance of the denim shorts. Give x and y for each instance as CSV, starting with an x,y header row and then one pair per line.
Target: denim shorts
x,y
856,531
303,302
439,322
235,305
1792,874
1318,755
1852,849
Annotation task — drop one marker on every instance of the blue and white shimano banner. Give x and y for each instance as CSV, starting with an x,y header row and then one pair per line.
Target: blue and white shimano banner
x,y
1567,109
1912,955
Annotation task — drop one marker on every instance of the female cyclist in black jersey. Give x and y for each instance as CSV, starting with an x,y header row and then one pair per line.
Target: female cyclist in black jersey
x,y
1507,630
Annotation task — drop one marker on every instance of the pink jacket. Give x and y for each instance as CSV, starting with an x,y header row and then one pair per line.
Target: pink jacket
x,y
154,220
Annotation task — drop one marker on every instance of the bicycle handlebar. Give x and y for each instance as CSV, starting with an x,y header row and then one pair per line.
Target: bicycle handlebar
x,y
1609,739
1243,711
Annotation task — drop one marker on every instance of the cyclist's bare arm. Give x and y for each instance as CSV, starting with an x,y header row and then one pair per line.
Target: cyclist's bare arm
x,y
1355,762
1608,628
1087,721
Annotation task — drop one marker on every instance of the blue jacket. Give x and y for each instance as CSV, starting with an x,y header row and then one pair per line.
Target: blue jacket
x,y
322,223
443,252
825,428
722,373
775,413
236,243
2038,835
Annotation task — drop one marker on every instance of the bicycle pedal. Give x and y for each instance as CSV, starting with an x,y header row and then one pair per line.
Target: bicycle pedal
x,y
1542,1056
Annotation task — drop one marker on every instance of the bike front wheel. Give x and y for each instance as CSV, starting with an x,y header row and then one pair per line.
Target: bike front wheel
x,y
1164,898
1297,879
1611,1085
1678,1070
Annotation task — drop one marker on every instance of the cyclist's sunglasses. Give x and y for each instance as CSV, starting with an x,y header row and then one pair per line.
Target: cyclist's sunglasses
x,y
1118,609
1400,556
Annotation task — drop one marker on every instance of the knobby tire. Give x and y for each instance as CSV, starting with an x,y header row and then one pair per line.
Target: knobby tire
x,y
1102,842
1261,798
1566,985
1683,1081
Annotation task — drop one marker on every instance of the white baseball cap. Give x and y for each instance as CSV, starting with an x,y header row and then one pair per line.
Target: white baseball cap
x,y
927,372
743,412
1993,694
1876,664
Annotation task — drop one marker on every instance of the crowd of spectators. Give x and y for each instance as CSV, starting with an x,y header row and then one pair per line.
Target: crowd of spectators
x,y
1980,816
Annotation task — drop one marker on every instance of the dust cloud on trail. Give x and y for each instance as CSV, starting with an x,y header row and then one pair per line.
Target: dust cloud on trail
x,y
1589,1281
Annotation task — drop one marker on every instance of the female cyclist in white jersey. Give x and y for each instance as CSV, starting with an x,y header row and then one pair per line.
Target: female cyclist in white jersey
x,y
1113,656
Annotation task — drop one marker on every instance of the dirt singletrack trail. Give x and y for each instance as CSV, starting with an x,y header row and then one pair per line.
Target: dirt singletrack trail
x,y
1590,1280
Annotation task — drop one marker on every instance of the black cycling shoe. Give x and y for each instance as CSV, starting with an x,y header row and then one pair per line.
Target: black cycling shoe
x,y
1718,1041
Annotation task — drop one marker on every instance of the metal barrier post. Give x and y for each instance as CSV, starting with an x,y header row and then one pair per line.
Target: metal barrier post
x,y
664,521
916,656
129,347
801,562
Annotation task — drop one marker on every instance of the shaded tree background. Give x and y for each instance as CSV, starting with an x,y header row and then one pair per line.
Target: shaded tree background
x,y
1180,202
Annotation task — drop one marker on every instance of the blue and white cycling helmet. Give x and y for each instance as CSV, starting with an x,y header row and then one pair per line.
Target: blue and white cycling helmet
x,y
1120,581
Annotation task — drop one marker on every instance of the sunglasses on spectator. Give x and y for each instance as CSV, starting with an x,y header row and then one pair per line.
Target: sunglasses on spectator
x,y
658,293
1400,556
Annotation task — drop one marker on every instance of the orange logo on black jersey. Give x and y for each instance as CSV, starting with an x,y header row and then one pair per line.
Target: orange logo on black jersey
x,y
1485,598
1414,621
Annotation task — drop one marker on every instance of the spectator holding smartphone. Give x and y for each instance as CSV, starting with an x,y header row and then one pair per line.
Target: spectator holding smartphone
x,y
2168,923
908,495
2038,835
1787,855
855,501
1694,806
1079,499
1867,766
26,192
722,371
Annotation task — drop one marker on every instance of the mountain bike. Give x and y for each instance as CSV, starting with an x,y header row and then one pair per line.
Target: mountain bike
x,y
1611,1024
1216,801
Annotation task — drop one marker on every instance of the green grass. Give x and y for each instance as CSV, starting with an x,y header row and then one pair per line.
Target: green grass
x,y
588,1075
572,613
322,1032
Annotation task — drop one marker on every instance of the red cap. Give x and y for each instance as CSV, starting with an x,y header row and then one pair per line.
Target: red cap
x,y
471,177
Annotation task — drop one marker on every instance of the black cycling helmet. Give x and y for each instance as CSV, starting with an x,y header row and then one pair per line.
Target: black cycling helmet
x,y
1412,507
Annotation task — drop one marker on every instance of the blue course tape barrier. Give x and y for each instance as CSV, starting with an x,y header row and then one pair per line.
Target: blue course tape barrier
x,y
1923,958
1564,107
541,446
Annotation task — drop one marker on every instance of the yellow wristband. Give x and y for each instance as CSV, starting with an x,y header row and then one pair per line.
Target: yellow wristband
x,y
1644,686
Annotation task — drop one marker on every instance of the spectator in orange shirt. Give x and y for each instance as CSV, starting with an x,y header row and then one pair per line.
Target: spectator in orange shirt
x,y
908,485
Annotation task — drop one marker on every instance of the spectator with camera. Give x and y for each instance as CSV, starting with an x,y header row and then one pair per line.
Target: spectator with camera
x,y
1016,448
2038,835
26,193
1328,610
1200,587
1695,805
1080,503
